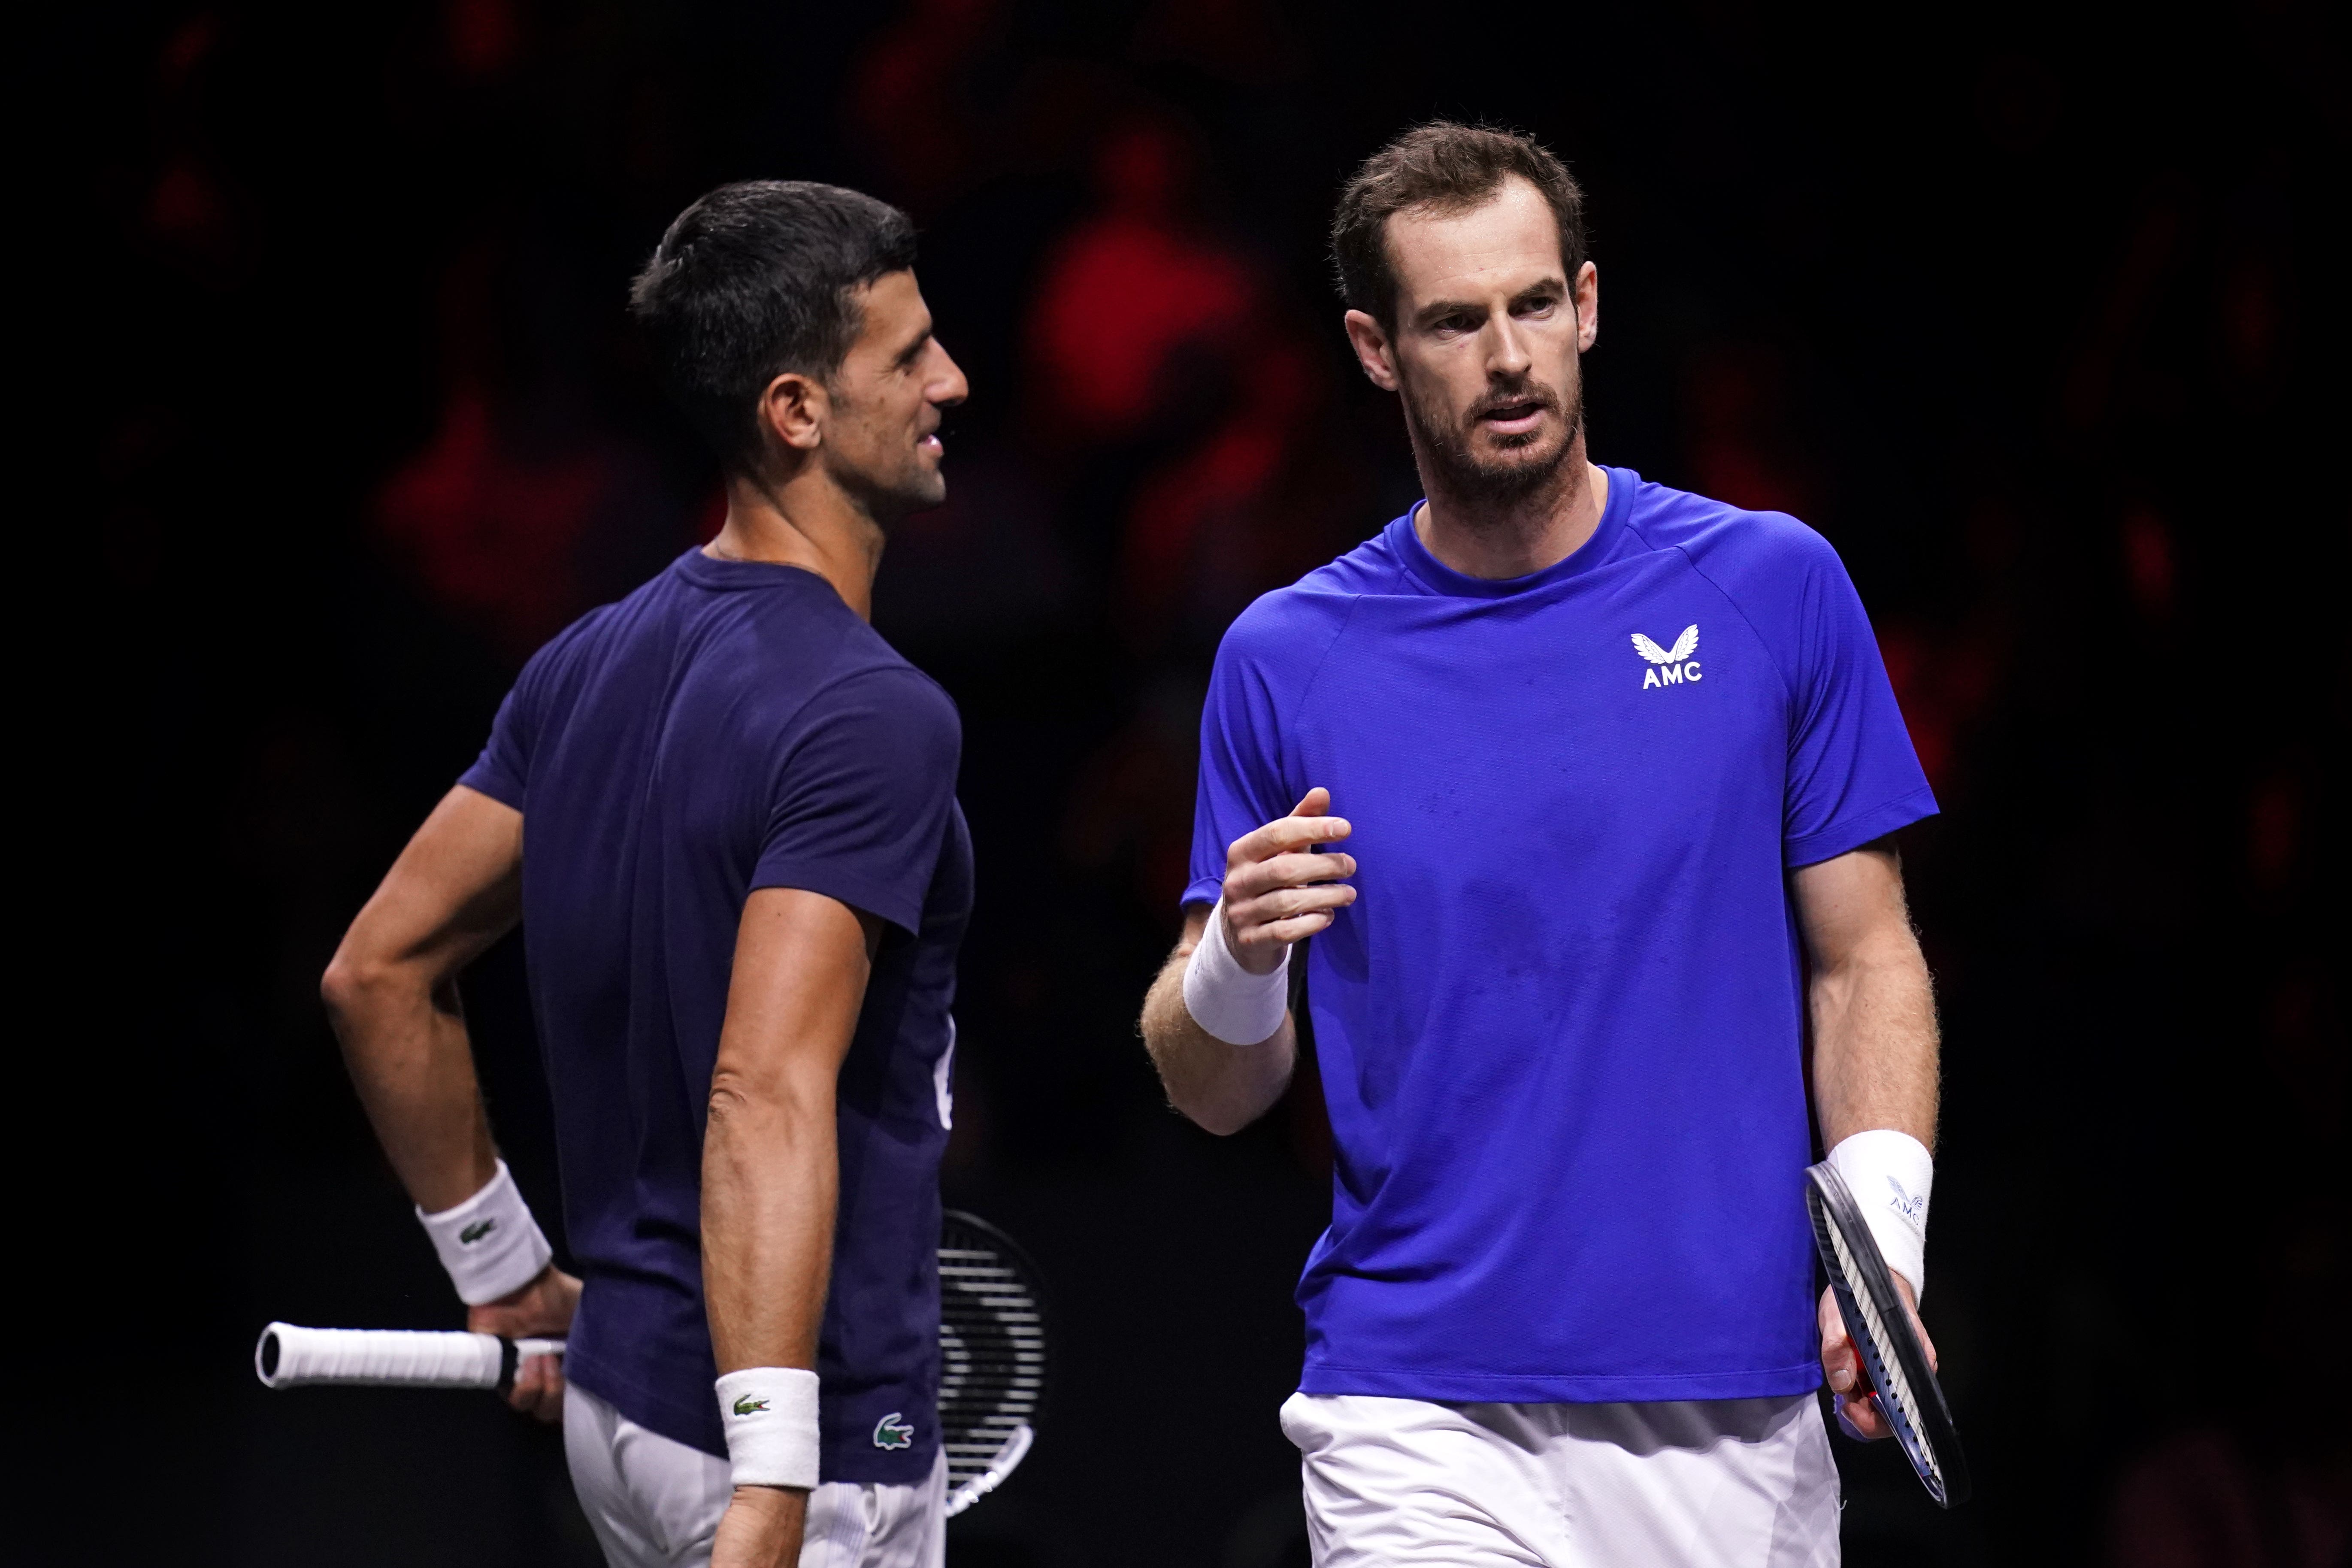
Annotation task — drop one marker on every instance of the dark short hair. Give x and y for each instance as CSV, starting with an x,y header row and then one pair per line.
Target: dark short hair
x,y
1440,168
755,280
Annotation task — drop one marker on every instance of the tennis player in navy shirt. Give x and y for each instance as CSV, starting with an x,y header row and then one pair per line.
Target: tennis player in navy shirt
x,y
1617,766
724,811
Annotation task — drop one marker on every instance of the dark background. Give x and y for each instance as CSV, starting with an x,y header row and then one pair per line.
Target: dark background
x,y
2036,312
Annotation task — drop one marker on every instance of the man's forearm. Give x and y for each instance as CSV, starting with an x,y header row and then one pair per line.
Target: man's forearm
x,y
770,1176
392,994
1221,1086
410,1061
771,1170
1874,1044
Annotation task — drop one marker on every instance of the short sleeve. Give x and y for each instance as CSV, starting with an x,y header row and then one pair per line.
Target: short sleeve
x,y
503,770
1853,774
504,766
1241,785
862,794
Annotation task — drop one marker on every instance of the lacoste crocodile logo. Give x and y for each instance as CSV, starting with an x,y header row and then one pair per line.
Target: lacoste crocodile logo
x,y
890,1432
747,1405
475,1231
1669,666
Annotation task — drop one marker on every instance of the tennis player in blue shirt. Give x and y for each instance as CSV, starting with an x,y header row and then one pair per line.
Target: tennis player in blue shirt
x,y
1584,788
724,811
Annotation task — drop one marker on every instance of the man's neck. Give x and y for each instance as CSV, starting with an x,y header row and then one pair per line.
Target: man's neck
x,y
1480,537
805,521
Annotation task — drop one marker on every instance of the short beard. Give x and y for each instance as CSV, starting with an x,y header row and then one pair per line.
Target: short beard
x,y
1481,483
890,499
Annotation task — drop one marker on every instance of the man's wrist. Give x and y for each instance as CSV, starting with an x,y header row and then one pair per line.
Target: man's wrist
x,y
489,1244
1890,1174
1227,1001
769,1415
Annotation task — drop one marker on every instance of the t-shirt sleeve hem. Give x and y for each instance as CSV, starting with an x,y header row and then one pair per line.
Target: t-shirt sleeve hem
x,y
483,778
1204,891
1854,832
857,892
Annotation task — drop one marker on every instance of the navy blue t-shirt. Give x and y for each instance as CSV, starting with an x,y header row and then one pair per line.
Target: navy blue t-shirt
x,y
732,726
1560,1030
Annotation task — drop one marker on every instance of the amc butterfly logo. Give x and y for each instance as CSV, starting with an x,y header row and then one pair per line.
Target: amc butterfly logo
x,y
1669,666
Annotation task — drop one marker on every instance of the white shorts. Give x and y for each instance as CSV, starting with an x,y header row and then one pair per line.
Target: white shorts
x,y
655,1503
1687,1484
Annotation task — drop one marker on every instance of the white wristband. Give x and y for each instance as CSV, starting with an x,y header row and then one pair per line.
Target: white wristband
x,y
1890,1174
770,1416
1228,1001
489,1244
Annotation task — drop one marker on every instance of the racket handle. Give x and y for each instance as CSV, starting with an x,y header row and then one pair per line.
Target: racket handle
x,y
288,1357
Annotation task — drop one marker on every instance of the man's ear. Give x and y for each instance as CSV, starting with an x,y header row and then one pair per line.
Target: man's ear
x,y
794,410
1588,306
1370,341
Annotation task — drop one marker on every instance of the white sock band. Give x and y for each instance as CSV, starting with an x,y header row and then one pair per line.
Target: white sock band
x,y
1228,1001
770,1416
489,1244
1890,1174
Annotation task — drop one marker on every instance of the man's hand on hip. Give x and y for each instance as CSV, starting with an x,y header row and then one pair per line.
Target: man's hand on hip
x,y
540,1309
1842,1364
1278,890
762,1529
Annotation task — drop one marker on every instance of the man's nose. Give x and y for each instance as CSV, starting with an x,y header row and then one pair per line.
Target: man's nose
x,y
1506,349
950,388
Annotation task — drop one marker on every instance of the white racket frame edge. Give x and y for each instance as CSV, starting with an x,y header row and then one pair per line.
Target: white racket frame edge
x,y
1008,1459
390,1358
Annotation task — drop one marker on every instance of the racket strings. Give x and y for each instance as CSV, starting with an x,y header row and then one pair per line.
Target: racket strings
x,y
993,1358
1886,1372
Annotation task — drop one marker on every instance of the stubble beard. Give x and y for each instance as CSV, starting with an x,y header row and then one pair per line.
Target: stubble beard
x,y
893,489
1480,483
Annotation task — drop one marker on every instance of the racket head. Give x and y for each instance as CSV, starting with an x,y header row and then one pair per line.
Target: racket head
x,y
992,1363
1892,1354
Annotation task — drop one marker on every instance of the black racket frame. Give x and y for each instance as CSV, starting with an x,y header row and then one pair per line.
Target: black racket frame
x,y
1928,1436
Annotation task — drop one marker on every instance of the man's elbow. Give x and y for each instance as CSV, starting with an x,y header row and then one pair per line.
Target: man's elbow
x,y
1215,1102
351,983
739,1099
1223,1121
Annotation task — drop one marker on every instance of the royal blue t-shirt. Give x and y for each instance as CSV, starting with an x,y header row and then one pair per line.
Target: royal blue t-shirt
x,y
732,726
1559,1030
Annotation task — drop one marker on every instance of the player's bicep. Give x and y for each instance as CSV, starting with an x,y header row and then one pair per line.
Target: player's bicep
x,y
802,963
455,889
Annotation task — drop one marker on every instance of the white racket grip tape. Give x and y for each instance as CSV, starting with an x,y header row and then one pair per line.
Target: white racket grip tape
x,y
1890,1174
489,1244
288,1356
1226,999
769,1413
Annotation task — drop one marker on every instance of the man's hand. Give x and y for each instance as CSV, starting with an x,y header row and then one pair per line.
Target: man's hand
x,y
761,1529
1857,1412
540,1309
1277,890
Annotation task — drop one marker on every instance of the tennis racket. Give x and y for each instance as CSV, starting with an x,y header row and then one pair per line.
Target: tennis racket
x,y
992,1357
1891,1355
